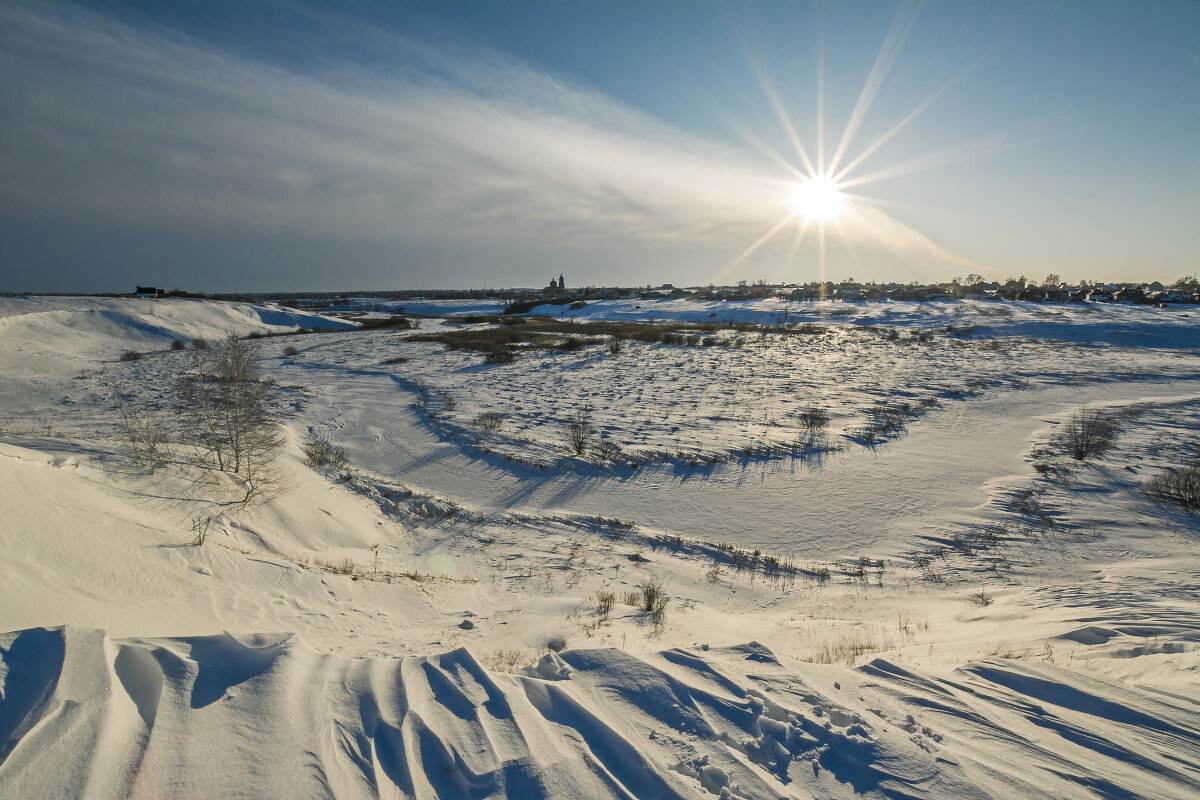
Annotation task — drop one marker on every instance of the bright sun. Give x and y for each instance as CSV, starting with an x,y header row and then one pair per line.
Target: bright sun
x,y
818,199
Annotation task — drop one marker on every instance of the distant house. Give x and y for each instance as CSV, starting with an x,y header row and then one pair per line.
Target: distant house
x,y
1129,294
149,291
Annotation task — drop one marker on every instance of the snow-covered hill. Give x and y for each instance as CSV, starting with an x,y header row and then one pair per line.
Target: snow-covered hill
x,y
960,610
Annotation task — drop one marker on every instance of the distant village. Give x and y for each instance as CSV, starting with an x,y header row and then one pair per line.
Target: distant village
x,y
974,287
1050,290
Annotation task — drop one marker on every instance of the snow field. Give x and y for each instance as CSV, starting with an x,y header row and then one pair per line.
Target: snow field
x,y
960,610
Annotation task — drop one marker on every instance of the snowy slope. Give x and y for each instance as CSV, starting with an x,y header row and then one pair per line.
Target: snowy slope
x,y
940,619
81,328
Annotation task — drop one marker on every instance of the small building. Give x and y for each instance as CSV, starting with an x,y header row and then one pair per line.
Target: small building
x,y
557,286
149,291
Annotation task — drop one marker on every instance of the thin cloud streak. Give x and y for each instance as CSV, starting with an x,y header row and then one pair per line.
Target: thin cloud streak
x,y
105,120
108,123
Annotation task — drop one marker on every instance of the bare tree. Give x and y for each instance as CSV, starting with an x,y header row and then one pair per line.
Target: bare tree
x,y
224,408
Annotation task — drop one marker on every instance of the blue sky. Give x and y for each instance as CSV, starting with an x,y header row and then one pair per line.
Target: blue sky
x,y
233,146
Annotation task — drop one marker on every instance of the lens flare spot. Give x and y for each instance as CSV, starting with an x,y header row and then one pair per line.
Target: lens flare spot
x,y
442,564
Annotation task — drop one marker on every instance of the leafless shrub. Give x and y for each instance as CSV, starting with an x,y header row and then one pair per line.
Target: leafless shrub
x,y
571,343
813,418
1089,433
199,344
291,350
147,434
510,660
866,434
323,453
616,346
604,604
980,598
889,417
1181,486
848,648
489,421
178,344
130,355
500,357
653,599
606,450
201,525
577,431
344,567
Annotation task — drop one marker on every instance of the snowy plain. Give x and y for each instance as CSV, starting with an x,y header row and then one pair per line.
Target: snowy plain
x,y
953,609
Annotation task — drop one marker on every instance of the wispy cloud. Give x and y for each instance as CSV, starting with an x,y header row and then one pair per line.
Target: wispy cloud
x,y
111,122
115,122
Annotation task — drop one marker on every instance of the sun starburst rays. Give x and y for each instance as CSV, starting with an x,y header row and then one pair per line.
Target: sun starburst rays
x,y
817,196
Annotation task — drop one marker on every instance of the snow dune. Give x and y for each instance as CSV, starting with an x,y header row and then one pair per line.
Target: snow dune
x,y
266,716
77,329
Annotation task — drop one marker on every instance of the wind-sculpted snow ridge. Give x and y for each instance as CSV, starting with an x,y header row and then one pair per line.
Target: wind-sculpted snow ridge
x,y
263,716
74,328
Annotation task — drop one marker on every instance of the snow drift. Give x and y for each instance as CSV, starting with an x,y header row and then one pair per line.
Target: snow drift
x,y
266,716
